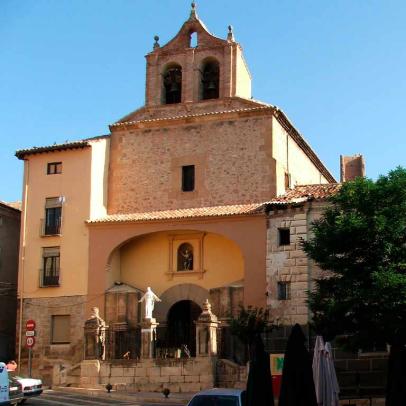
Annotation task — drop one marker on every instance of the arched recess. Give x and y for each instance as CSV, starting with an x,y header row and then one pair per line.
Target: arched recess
x,y
210,79
247,236
185,291
172,84
151,259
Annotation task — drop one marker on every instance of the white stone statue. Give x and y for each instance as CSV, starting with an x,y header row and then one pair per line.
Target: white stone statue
x,y
149,298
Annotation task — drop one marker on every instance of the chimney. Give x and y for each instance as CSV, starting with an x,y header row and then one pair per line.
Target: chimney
x,y
351,167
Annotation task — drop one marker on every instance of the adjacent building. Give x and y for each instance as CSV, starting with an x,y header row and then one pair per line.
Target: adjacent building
x,y
9,243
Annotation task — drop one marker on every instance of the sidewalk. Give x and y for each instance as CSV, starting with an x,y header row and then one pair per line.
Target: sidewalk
x,y
148,397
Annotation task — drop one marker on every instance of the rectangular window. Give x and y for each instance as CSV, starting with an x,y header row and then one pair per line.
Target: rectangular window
x,y
54,168
287,180
53,215
188,178
60,333
50,266
284,236
283,290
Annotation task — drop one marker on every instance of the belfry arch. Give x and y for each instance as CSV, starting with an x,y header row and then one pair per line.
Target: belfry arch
x,y
172,84
209,79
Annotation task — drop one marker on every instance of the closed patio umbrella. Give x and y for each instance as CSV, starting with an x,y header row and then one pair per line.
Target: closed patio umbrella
x,y
324,374
259,383
297,388
318,369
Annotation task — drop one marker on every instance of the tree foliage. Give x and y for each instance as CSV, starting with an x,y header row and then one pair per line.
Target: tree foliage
x,y
250,322
361,242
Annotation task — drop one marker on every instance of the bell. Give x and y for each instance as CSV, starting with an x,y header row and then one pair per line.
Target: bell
x,y
211,85
174,87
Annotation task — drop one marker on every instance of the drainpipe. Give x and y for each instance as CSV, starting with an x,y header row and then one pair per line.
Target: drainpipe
x,y
22,258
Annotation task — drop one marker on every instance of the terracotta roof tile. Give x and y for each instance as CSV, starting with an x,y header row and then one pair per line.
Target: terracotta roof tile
x,y
20,154
299,194
178,117
215,211
302,193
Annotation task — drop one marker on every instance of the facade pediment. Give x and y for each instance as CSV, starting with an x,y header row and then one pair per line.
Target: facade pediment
x,y
186,109
182,38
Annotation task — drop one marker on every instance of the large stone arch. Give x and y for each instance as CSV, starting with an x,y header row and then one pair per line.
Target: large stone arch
x,y
184,291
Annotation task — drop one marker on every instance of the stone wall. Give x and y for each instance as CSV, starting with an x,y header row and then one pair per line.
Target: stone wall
x,y
232,158
178,375
288,263
47,355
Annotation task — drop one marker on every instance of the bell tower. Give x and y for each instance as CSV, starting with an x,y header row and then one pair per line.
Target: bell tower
x,y
195,66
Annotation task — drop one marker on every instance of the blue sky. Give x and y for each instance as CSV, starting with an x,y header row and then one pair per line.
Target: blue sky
x,y
68,68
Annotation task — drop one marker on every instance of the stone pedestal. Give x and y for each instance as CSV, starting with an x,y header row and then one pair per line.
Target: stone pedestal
x,y
148,338
206,332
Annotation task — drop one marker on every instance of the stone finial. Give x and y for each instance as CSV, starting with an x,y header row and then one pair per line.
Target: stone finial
x,y
193,14
230,35
156,43
207,316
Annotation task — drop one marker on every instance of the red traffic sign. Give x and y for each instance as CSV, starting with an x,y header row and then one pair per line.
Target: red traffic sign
x,y
30,325
30,341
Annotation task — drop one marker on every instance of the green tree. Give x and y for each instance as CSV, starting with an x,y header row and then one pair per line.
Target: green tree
x,y
360,241
250,323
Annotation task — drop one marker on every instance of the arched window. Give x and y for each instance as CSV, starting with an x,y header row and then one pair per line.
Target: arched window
x,y
172,81
210,80
193,40
185,257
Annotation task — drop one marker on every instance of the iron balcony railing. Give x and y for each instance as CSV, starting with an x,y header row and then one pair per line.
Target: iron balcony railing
x,y
50,280
50,229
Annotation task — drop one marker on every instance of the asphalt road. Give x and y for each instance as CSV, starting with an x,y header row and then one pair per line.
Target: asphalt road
x,y
51,397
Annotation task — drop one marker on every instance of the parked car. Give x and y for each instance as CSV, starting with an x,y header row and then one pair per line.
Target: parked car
x,y
30,386
219,397
15,391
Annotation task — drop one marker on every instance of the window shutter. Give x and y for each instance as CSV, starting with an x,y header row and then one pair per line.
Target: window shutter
x,y
60,329
53,202
51,252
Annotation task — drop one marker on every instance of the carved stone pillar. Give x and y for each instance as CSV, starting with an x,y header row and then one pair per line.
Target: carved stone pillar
x,y
148,338
206,332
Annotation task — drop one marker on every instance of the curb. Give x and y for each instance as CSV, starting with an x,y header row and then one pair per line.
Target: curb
x,y
136,396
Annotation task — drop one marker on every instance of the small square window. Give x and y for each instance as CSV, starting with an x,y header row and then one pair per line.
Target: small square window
x,y
54,168
188,178
283,290
60,329
284,236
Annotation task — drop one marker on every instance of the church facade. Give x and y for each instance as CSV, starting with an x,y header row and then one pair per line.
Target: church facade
x,y
201,194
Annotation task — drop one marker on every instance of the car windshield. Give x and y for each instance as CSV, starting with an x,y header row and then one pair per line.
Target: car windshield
x,y
214,400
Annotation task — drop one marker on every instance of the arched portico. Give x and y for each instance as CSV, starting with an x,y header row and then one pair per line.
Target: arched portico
x,y
247,232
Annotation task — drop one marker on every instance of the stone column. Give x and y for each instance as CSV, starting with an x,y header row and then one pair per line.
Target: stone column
x,y
206,332
148,338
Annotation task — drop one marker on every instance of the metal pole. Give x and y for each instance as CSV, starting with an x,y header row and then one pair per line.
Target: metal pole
x,y
29,362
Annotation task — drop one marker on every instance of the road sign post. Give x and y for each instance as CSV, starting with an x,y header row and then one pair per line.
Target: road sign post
x,y
30,342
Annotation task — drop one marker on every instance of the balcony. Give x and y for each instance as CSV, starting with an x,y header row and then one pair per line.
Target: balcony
x,y
49,280
51,229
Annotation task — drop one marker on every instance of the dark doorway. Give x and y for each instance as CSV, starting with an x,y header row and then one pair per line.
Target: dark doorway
x,y
181,329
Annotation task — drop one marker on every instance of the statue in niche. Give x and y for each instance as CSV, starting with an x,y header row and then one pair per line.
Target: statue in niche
x,y
185,257
149,298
